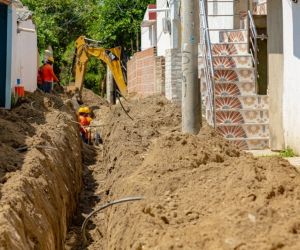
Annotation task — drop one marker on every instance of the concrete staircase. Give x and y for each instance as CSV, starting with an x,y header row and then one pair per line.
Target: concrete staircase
x,y
241,115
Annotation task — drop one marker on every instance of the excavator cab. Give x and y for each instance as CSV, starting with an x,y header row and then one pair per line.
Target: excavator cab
x,y
86,48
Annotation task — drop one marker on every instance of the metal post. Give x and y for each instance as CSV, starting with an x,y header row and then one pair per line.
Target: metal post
x,y
110,87
191,106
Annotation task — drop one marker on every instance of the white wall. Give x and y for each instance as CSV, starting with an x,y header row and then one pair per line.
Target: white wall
x,y
291,88
26,63
146,38
155,37
163,39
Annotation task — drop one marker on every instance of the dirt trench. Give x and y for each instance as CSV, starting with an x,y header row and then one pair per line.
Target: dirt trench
x,y
200,192
40,186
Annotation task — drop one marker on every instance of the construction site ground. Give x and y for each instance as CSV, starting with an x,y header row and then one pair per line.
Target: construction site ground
x,y
199,191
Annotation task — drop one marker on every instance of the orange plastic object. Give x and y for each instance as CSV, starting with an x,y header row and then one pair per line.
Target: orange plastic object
x,y
19,90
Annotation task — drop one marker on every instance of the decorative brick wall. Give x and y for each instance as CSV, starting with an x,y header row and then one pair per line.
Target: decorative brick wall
x,y
173,75
145,73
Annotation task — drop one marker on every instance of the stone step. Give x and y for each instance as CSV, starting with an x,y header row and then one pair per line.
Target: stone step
x,y
234,88
230,49
235,75
242,116
243,131
232,75
231,88
251,143
260,9
242,102
234,36
232,61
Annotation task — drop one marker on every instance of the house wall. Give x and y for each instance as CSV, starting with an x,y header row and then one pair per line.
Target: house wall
x,y
148,34
146,39
291,82
18,54
275,73
163,39
26,65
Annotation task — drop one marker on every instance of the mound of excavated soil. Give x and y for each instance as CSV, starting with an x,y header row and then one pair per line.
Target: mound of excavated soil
x,y
38,187
200,192
93,100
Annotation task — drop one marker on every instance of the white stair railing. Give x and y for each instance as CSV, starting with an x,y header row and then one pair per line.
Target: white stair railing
x,y
207,64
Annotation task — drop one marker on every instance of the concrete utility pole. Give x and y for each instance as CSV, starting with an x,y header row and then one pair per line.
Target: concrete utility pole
x,y
175,24
110,87
191,96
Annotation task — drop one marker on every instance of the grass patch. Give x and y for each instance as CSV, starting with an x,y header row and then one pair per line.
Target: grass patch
x,y
289,152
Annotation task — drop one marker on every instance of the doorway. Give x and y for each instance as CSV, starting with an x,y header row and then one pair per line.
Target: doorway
x,y
3,53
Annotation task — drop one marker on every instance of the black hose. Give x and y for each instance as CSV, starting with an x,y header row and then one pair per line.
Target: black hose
x,y
103,207
26,148
126,112
120,94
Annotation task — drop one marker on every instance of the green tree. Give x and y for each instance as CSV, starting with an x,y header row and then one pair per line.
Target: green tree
x,y
119,23
60,22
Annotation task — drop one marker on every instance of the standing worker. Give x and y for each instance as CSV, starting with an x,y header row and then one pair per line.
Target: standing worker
x,y
48,76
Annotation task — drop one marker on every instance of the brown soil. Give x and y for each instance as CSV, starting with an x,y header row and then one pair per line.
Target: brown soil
x,y
94,101
199,191
38,187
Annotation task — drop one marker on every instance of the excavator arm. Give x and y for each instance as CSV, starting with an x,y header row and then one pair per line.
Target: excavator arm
x,y
112,57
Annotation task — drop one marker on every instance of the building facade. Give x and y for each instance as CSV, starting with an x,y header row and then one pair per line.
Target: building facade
x,y
18,51
256,86
284,62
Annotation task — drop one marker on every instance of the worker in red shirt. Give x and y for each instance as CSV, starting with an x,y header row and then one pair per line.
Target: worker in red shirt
x,y
5,1
48,76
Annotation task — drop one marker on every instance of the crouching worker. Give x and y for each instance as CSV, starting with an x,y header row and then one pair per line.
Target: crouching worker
x,y
84,118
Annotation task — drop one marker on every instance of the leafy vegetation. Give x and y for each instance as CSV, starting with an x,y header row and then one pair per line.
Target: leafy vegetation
x,y
288,152
60,22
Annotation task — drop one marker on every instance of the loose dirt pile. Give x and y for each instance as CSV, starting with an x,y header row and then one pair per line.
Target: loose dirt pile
x,y
199,191
39,187
93,100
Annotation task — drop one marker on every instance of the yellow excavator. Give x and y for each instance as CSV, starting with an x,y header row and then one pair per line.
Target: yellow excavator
x,y
86,48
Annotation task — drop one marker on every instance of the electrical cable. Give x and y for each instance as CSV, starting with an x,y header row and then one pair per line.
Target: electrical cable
x,y
119,93
138,198
26,148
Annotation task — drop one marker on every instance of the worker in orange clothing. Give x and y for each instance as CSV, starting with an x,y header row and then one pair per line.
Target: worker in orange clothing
x,y
85,121
48,76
